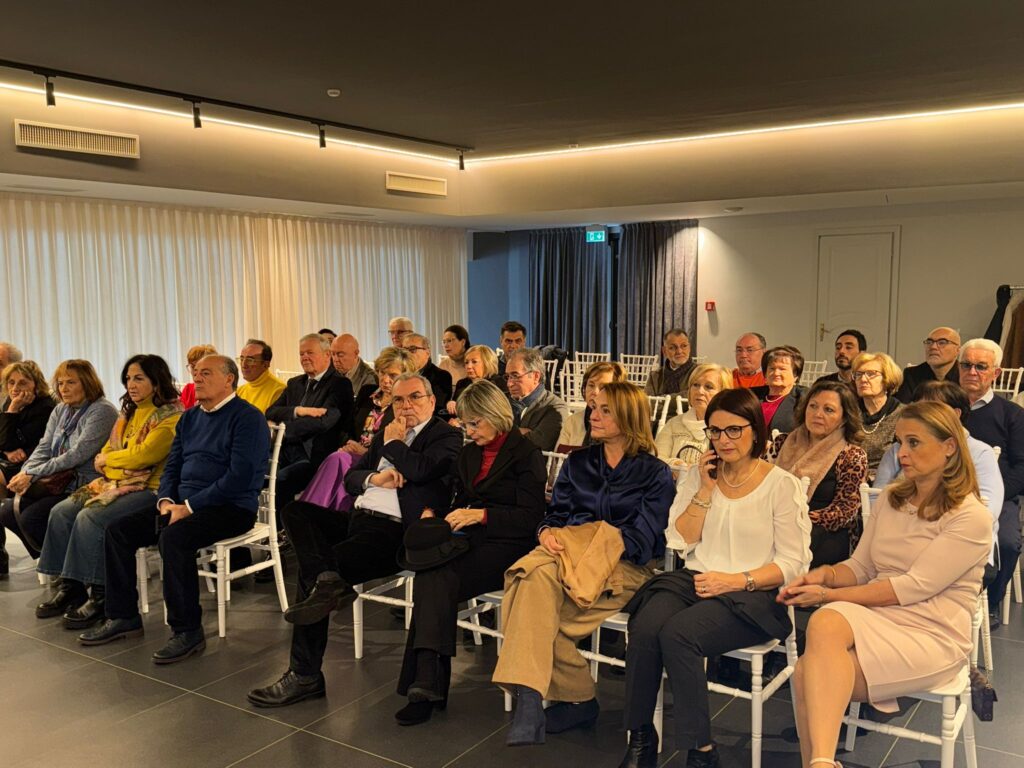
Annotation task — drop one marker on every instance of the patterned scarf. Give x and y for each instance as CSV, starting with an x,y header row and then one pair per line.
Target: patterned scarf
x,y
798,457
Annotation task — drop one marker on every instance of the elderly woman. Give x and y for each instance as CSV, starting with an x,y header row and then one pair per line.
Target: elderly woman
x,y
481,363
826,449
576,429
877,377
130,464
687,429
782,367
193,356
611,501
499,502
896,616
743,527
63,459
24,411
455,341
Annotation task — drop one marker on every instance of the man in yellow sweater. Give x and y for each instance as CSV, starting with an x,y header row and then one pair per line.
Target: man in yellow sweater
x,y
261,387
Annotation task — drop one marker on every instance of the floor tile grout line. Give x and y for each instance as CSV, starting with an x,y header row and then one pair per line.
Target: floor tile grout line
x,y
344,706
1000,751
357,749
149,709
465,752
262,749
896,741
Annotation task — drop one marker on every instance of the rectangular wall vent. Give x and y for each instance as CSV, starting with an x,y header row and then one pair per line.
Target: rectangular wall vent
x,y
63,138
419,185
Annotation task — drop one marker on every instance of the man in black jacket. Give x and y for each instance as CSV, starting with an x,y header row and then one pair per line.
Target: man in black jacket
x,y
940,351
440,380
407,469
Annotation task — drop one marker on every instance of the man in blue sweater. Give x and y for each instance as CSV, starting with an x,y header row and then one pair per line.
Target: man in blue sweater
x,y
209,491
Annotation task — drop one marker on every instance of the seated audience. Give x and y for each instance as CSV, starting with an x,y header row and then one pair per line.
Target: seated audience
x,y
782,367
406,470
398,329
612,501
539,413
687,429
130,465
876,378
825,448
25,408
193,356
492,522
671,377
743,528
481,363
896,616
209,490
750,349
849,344
261,388
440,381
345,356
62,461
316,408
940,351
328,334
456,343
512,337
576,427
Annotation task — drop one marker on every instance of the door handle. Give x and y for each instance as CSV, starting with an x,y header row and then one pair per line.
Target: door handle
x,y
821,332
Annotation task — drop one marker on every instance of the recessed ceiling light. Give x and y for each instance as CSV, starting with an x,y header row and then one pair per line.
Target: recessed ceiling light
x,y
333,92
734,209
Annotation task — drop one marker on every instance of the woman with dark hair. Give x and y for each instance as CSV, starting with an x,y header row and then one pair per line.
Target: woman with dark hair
x,y
130,465
456,343
779,396
63,459
825,448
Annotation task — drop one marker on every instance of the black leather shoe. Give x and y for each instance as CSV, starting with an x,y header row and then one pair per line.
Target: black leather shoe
x,y
67,596
642,751
290,689
416,712
330,589
994,621
112,629
181,646
5,563
88,613
528,720
697,759
565,715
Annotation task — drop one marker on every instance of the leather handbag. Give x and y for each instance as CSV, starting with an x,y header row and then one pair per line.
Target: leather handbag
x,y
983,695
51,485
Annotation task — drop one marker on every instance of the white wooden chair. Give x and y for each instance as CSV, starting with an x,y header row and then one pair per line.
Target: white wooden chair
x,y
284,375
638,367
378,594
571,381
589,358
550,367
1009,382
813,370
554,461
659,410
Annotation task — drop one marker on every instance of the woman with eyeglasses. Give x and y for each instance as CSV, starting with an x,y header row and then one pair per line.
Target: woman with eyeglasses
x,y
876,378
499,501
742,526
825,448
576,428
683,435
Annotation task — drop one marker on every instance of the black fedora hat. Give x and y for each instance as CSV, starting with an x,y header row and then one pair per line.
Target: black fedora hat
x,y
428,543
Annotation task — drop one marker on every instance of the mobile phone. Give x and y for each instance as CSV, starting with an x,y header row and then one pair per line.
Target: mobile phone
x,y
713,471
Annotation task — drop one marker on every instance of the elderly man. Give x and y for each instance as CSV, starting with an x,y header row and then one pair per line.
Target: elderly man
x,y
261,388
940,351
1000,423
849,344
398,329
750,349
405,471
8,354
539,413
511,337
209,491
440,380
671,377
345,356
317,408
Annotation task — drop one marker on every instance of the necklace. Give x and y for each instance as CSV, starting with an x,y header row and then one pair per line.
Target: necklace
x,y
874,428
742,482
768,398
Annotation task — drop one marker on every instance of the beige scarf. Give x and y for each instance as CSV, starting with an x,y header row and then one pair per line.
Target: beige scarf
x,y
798,457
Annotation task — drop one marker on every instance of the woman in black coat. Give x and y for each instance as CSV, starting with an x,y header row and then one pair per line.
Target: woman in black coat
x,y
498,504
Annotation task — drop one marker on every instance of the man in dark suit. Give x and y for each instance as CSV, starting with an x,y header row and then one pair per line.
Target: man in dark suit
x,y
940,352
406,470
440,380
317,409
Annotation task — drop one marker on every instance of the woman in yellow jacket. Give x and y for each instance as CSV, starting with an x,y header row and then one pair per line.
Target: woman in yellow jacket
x,y
130,465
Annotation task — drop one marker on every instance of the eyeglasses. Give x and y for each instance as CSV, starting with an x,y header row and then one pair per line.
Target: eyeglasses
x,y
415,349
748,350
979,367
940,343
733,432
866,375
518,376
248,360
414,398
474,425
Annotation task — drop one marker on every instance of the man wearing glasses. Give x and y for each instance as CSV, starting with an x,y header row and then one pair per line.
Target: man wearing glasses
x,y
261,387
1000,423
398,329
940,351
750,349
539,413
440,380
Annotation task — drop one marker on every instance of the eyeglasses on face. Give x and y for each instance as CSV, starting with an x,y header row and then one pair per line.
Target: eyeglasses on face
x,y
979,367
414,398
733,432
415,349
518,376
940,343
748,350
867,375
248,360
474,424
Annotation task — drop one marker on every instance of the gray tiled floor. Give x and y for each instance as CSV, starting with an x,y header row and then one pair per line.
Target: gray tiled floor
x,y
64,705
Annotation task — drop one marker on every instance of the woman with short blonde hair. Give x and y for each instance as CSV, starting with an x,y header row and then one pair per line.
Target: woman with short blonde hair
x,y
684,434
876,378
481,365
485,402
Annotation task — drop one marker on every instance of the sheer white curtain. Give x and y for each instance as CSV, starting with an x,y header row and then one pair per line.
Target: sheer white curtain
x,y
104,280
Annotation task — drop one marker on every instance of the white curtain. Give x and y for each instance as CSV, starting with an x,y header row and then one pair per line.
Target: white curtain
x,y
103,280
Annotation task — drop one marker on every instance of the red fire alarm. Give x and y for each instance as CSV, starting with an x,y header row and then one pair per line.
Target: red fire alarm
x,y
709,306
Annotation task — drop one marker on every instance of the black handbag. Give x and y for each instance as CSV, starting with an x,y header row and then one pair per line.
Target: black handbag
x,y
983,695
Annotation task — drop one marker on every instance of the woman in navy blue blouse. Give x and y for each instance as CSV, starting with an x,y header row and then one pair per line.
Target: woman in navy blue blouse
x,y
604,527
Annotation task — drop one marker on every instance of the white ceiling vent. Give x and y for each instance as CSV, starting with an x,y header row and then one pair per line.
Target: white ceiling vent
x,y
417,185
63,138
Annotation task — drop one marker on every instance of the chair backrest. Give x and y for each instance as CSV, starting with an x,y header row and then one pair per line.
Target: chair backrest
x,y
868,496
690,453
659,410
638,367
284,375
589,358
813,370
268,497
550,367
1008,383
571,381
554,461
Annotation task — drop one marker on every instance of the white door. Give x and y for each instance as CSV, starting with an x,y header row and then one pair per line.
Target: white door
x,y
856,289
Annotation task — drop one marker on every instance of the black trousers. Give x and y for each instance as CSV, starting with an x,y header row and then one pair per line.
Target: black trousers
x,y
179,544
358,546
676,630
33,516
437,593
292,480
829,547
1009,552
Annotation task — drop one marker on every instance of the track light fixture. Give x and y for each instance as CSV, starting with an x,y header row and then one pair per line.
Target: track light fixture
x,y
51,100
323,136
197,119
462,160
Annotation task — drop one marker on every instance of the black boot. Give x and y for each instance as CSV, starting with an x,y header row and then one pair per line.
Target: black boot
x,y
427,685
5,563
642,751
528,721
68,594
697,759
90,612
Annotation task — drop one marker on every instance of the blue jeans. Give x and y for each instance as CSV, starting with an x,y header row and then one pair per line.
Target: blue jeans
x,y
73,547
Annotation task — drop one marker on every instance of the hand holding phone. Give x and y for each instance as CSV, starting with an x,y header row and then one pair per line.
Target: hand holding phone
x,y
713,464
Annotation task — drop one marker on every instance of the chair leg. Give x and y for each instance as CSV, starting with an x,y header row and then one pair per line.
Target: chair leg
x,y
1018,597
851,730
222,588
986,634
976,621
357,623
275,555
970,747
595,646
142,574
408,601
756,708
1006,603
949,704
659,714
475,621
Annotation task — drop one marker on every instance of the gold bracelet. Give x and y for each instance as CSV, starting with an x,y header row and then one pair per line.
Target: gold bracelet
x,y
821,600
698,503
833,576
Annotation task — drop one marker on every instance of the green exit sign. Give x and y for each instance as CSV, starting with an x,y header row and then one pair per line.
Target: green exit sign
x,y
597,236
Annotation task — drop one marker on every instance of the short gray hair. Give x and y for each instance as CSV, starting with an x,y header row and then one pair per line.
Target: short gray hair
x,y
423,339
531,360
227,365
483,400
404,321
675,332
323,341
13,353
418,377
985,345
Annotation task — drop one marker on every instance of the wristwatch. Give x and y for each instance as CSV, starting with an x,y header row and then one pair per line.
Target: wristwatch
x,y
751,586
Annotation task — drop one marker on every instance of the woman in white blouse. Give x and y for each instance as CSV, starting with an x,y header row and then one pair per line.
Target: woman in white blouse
x,y
742,525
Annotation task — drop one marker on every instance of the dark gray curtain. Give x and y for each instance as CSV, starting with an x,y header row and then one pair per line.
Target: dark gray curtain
x,y
569,303
657,284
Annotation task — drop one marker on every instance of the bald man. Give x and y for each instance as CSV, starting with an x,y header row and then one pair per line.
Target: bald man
x,y
346,360
940,353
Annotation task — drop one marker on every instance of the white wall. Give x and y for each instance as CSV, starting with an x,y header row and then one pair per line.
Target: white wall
x,y
762,271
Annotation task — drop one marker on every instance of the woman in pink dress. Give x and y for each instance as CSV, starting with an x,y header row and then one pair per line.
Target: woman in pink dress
x,y
896,616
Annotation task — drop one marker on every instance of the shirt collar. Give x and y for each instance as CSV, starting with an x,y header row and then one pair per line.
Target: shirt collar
x,y
984,400
323,373
219,405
